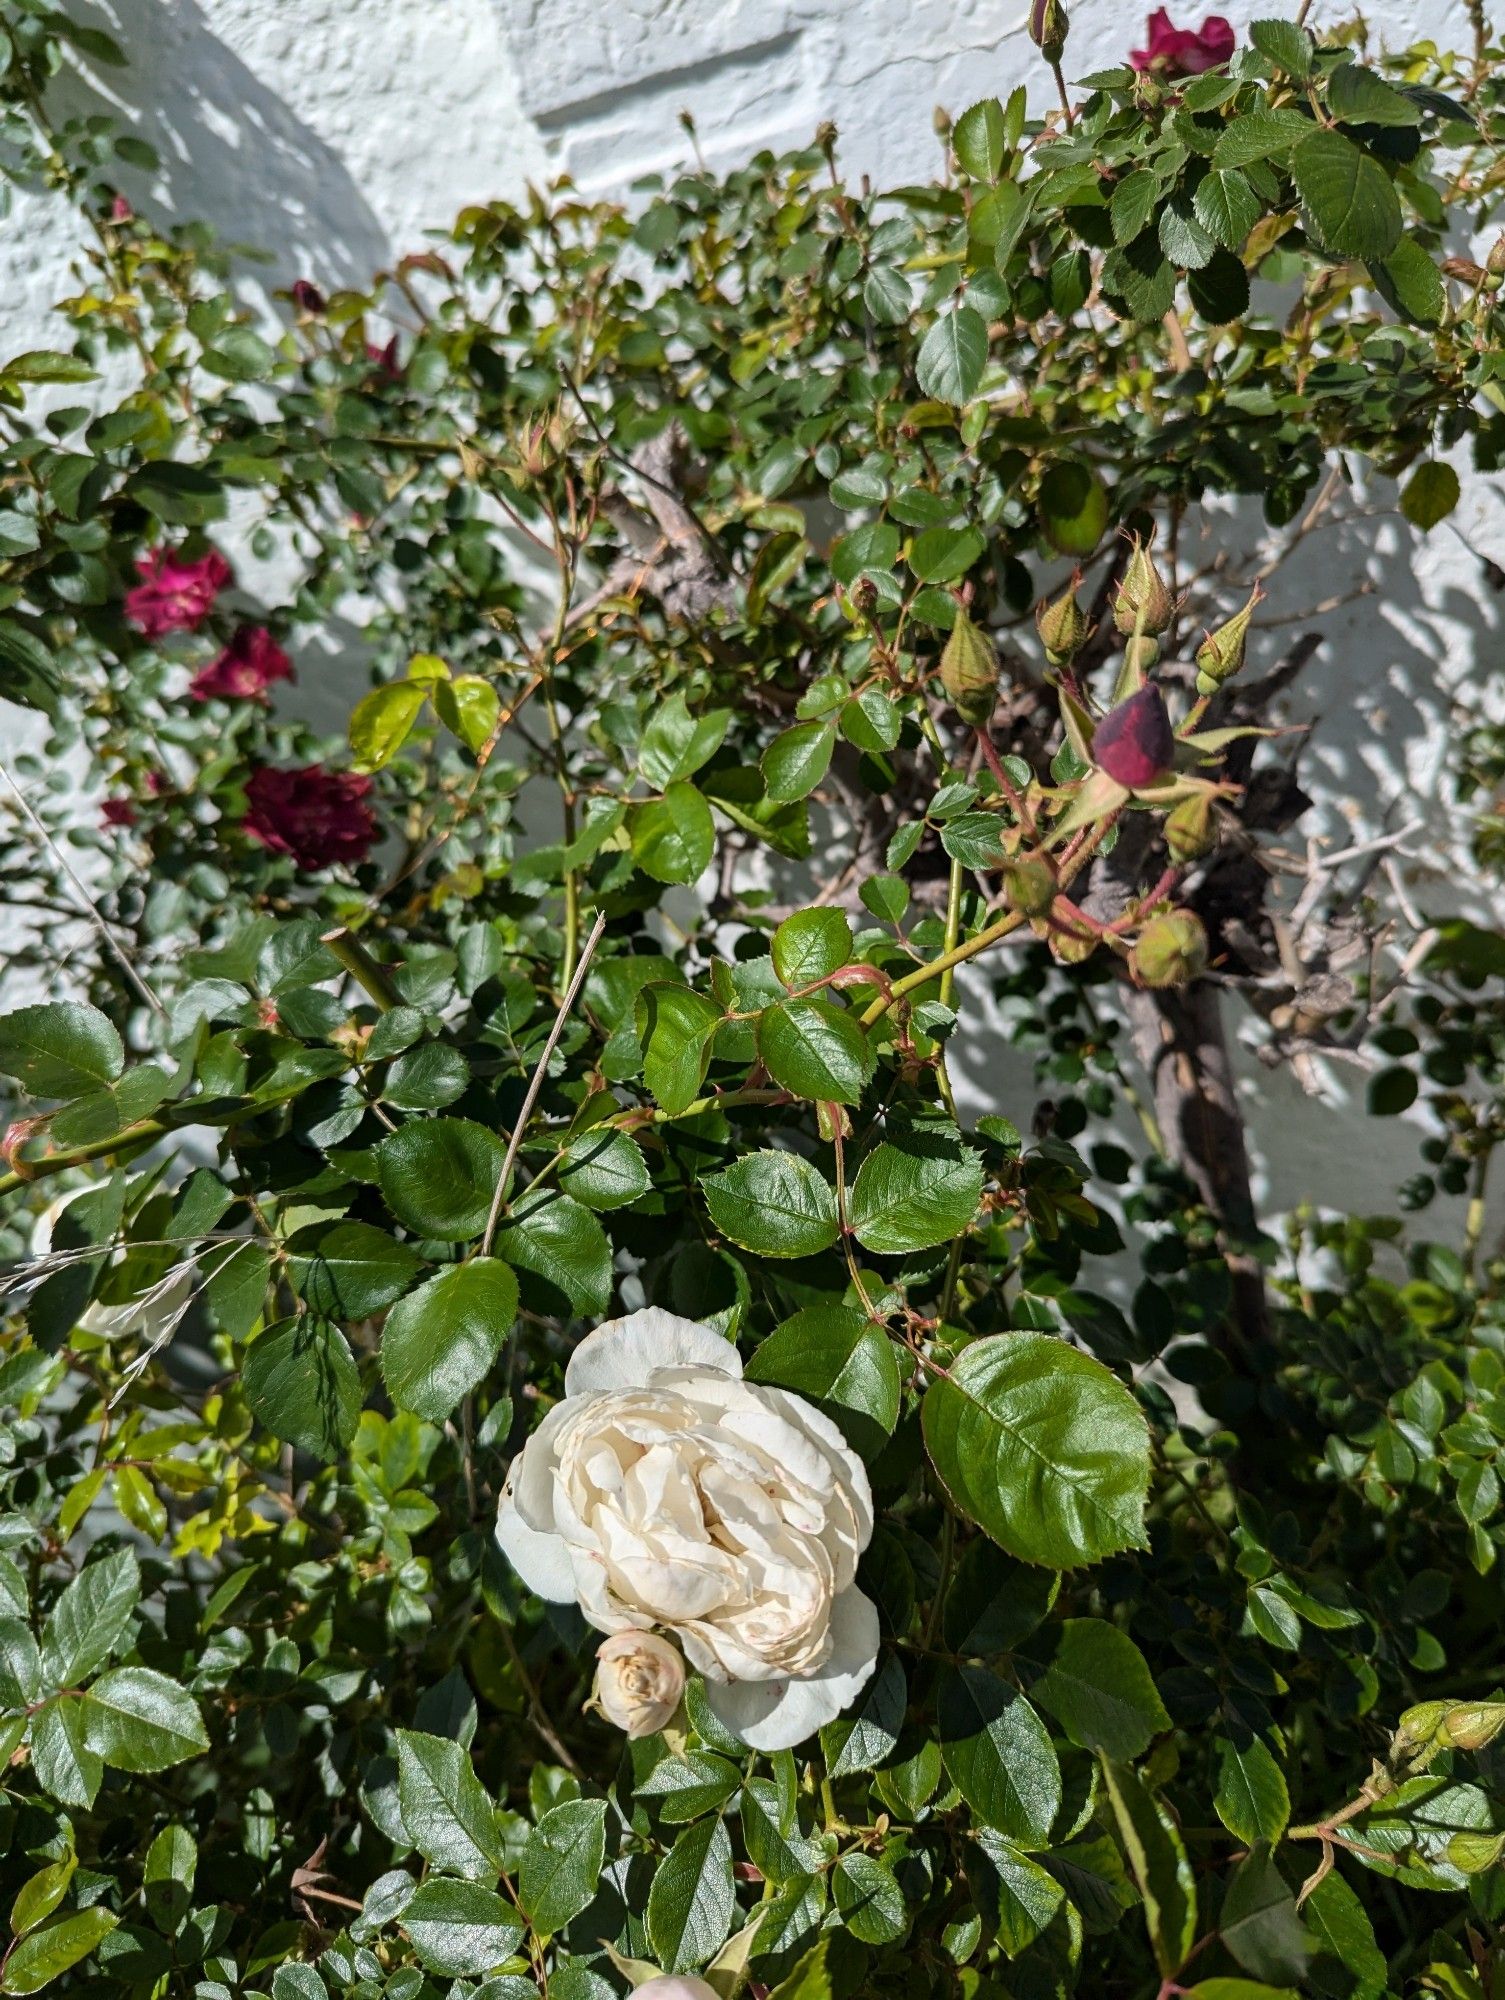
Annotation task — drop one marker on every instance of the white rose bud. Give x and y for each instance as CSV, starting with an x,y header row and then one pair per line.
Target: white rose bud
x,y
662,1492
639,1681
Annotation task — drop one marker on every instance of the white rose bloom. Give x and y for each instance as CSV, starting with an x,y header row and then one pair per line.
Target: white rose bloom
x,y
663,1490
640,1680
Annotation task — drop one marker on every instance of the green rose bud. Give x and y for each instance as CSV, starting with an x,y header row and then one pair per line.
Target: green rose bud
x,y
969,672
1063,626
1190,831
1221,653
1471,1724
1171,950
1029,885
1143,602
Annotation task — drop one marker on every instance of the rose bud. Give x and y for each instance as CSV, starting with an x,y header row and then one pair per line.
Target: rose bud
x,y
1189,830
969,672
1029,885
640,1680
1063,626
1221,653
1171,950
1133,742
1143,602
1417,1727
1472,1724
1494,263
307,297
1048,26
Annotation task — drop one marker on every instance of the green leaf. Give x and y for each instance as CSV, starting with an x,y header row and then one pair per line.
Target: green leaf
x,y
691,1902
1250,1798
1157,1861
953,355
102,1113
866,1738
349,1270
138,1720
1284,44
1073,505
470,706
1219,292
561,1863
810,944
1411,283
444,1806
1340,1928
941,555
46,1954
1226,206
66,1768
915,1191
868,1899
1258,1922
604,1168
301,1381
673,838
1019,1896
38,1897
239,354
685,1787
43,364
1042,1447
185,496
29,672
1135,199
1099,1689
998,1754
775,1204
795,762
676,1025
548,1233
979,138
1260,135
90,1619
1429,496
1349,199
1358,96
460,1929
675,743
816,1050
383,720
837,1359
438,1176
60,1049
439,1341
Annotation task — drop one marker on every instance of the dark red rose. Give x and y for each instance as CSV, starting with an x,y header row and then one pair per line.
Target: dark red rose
x,y
1133,743
173,595
315,815
384,359
117,812
307,297
244,670
1174,51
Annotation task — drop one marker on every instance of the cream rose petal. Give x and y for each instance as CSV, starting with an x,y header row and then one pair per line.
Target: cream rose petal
x,y
776,1715
542,1560
625,1353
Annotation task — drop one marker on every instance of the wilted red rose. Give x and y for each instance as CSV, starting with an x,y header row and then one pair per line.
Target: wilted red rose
x,y
315,815
245,669
307,297
173,595
117,812
1134,743
1177,51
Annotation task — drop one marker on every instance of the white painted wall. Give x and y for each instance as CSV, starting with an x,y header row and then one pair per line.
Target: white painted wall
x,y
334,132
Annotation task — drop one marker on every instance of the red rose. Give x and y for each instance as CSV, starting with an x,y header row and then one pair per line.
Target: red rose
x,y
174,596
307,297
117,812
245,669
1184,51
384,359
1133,743
315,815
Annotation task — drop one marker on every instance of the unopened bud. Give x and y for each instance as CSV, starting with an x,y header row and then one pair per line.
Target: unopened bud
x,y
1471,1724
1063,626
1029,885
969,672
1133,743
940,120
1417,1727
1170,951
1494,263
1190,831
865,596
1143,602
1048,26
1221,653
1070,947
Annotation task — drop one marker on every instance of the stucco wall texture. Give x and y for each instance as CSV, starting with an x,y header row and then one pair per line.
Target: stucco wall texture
x,y
333,133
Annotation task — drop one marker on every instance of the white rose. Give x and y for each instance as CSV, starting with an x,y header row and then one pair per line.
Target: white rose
x,y
663,1490
640,1680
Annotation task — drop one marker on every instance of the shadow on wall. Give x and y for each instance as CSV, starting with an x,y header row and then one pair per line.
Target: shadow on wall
x,y
233,154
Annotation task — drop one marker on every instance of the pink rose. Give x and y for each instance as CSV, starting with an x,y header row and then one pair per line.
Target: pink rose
x,y
315,815
1176,51
244,670
173,595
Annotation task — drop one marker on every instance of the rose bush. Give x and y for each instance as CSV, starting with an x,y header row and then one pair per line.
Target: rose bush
x,y
569,1435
